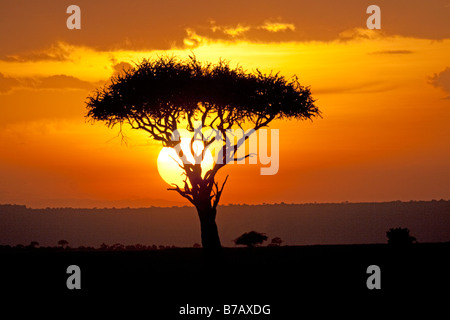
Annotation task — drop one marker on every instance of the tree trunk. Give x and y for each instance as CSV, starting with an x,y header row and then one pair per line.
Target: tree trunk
x,y
210,235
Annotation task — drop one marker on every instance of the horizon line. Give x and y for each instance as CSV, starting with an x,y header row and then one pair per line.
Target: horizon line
x,y
223,205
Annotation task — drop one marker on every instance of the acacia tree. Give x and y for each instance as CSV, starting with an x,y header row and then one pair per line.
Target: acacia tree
x,y
250,239
161,96
399,236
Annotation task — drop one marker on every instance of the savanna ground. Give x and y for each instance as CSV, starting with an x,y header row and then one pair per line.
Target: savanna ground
x,y
326,279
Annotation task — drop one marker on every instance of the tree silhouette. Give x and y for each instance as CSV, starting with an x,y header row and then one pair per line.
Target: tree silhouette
x,y
162,96
275,242
117,247
63,243
34,244
399,236
250,239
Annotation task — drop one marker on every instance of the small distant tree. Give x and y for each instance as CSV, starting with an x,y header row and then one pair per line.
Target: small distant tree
x,y
34,244
140,247
276,242
251,239
399,236
63,243
117,247
197,245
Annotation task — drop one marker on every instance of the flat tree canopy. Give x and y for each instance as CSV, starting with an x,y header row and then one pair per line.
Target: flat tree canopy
x,y
250,239
157,94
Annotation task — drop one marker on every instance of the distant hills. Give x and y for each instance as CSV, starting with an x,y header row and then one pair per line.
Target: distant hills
x,y
296,224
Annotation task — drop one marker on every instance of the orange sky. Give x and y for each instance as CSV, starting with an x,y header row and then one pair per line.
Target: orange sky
x,y
384,95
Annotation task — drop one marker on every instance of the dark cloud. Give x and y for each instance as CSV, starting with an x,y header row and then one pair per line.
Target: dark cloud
x,y
441,80
7,83
393,52
145,25
366,87
50,82
121,67
56,52
62,82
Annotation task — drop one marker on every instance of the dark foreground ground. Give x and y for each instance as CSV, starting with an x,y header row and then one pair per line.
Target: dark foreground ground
x,y
294,281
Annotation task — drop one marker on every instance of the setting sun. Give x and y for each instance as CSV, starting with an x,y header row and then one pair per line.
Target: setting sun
x,y
169,163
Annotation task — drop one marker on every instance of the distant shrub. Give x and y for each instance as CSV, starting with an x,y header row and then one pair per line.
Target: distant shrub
x,y
276,242
34,244
399,236
63,243
251,239
117,247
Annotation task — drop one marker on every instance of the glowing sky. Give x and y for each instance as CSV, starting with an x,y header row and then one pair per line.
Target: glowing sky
x,y
384,95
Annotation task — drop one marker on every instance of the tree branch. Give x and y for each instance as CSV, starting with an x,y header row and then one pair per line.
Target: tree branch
x,y
219,193
245,157
182,193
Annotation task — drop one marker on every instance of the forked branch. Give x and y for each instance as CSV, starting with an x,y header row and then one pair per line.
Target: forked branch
x,y
184,194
